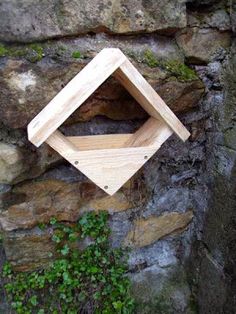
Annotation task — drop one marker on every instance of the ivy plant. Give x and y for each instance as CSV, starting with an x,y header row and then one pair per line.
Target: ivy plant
x,y
92,280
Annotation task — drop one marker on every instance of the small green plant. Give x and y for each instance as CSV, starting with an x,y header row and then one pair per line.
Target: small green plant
x,y
76,54
92,280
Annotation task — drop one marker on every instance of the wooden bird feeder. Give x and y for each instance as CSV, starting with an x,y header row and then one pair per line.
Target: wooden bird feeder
x,y
108,160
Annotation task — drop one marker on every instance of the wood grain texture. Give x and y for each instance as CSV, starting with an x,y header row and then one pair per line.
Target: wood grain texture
x,y
153,133
110,168
74,94
107,168
147,97
99,141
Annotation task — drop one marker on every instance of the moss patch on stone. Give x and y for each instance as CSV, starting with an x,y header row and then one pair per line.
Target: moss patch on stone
x,y
3,51
150,59
174,67
33,52
76,54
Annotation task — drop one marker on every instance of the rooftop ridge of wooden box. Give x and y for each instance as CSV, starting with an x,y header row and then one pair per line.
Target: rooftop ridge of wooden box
x,y
108,160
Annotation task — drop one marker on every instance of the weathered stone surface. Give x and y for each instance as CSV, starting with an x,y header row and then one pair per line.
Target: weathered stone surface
x,y
27,88
147,231
33,203
199,44
181,96
11,163
18,163
62,18
161,290
218,19
233,15
217,256
28,250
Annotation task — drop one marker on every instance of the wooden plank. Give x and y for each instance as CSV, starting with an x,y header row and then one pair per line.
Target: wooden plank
x,y
99,141
60,143
147,97
110,168
74,94
107,168
153,133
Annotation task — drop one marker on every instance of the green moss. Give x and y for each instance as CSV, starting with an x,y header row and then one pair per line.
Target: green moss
x,y
36,53
174,67
3,51
180,70
150,59
76,54
33,52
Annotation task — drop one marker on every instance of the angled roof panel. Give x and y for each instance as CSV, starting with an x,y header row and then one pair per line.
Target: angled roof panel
x,y
74,94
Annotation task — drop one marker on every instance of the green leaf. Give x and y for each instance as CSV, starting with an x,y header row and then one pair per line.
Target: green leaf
x,y
53,221
33,300
65,250
117,305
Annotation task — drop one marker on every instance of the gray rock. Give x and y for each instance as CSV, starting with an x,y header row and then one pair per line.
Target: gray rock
x,y
199,44
40,20
162,253
161,291
11,163
219,19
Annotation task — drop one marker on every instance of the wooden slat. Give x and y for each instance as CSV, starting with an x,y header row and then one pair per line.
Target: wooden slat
x,y
60,143
153,133
147,97
99,141
74,94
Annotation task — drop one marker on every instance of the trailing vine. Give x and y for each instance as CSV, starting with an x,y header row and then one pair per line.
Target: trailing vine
x,y
92,280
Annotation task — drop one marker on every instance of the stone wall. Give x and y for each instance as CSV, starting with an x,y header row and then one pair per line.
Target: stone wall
x,y
171,213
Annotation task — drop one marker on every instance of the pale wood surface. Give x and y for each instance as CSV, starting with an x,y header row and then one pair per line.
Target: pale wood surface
x,y
99,141
147,97
60,143
108,168
152,133
74,94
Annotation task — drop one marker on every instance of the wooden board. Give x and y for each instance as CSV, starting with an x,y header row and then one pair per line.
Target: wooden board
x,y
147,97
99,141
153,133
108,168
74,94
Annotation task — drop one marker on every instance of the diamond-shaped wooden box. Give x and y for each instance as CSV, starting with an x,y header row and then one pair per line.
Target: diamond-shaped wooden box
x,y
108,160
